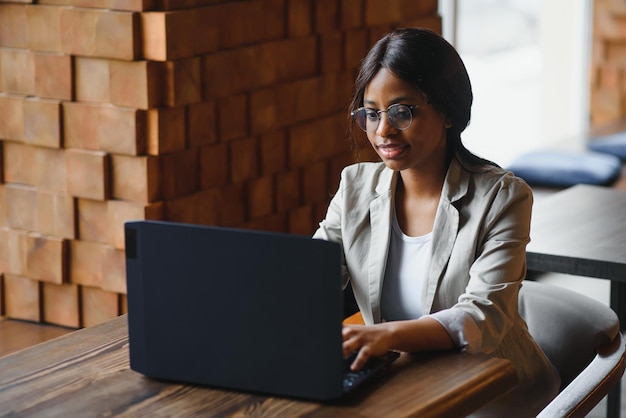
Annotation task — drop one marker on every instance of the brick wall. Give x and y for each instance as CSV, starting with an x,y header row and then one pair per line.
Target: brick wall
x,y
204,111
608,63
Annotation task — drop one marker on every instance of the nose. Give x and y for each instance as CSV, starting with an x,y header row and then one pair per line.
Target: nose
x,y
384,127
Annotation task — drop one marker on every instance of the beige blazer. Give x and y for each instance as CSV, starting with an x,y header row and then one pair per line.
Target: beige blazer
x,y
478,263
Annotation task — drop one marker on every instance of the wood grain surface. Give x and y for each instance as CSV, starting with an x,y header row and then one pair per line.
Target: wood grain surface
x,y
86,373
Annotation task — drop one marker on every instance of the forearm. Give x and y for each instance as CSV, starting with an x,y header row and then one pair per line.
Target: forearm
x,y
423,334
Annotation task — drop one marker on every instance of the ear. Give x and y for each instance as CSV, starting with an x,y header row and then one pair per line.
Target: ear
x,y
447,124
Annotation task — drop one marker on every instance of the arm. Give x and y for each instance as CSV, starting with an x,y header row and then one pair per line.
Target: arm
x,y
374,340
486,308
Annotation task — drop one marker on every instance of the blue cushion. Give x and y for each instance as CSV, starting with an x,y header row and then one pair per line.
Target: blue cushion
x,y
566,168
614,144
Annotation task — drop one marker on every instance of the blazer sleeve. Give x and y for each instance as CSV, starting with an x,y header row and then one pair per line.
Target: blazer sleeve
x,y
487,309
330,229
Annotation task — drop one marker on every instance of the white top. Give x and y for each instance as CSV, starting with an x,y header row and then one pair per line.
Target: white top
x,y
405,275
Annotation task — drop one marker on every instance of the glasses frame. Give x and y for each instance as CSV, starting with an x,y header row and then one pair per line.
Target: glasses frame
x,y
355,113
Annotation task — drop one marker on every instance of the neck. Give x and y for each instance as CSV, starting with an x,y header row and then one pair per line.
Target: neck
x,y
424,183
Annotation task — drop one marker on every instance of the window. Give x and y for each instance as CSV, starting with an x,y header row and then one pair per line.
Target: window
x,y
527,60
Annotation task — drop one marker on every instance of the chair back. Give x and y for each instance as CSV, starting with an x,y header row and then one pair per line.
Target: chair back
x,y
568,326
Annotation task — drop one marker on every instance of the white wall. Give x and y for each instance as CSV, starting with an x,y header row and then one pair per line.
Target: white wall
x,y
565,33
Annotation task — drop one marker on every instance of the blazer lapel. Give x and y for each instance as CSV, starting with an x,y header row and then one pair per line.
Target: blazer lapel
x,y
445,230
380,221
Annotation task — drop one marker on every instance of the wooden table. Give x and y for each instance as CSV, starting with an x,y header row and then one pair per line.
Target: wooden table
x,y
86,373
582,231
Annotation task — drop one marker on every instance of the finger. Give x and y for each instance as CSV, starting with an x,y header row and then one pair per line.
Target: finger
x,y
360,359
346,350
350,346
348,331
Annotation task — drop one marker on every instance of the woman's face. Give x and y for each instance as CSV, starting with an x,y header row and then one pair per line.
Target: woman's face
x,y
419,147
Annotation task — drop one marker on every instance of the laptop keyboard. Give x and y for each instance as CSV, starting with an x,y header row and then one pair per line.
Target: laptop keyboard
x,y
352,379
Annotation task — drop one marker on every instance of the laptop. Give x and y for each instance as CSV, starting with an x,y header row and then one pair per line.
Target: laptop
x,y
238,309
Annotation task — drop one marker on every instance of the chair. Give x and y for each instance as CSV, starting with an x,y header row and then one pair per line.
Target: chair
x,y
582,338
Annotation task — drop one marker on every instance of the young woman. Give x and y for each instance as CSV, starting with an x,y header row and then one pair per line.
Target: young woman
x,y
434,238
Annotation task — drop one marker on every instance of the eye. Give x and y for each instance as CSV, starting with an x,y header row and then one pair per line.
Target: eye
x,y
371,114
401,112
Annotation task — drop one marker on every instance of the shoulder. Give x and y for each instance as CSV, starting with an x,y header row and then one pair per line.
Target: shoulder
x,y
486,189
366,174
497,191
489,196
501,179
512,190
363,169
486,180
363,183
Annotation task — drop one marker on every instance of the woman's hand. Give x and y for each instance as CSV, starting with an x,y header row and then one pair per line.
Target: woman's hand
x,y
423,334
368,340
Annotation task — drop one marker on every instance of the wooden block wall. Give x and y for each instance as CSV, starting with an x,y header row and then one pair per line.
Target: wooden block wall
x,y
608,63
215,112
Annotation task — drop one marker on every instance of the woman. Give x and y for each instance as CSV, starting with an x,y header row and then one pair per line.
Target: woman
x,y
433,237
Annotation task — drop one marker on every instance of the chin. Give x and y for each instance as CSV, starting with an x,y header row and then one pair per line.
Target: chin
x,y
394,165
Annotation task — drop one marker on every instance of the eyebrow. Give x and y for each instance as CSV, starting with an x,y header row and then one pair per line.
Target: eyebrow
x,y
397,100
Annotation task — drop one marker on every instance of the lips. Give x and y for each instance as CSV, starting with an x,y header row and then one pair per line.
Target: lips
x,y
391,151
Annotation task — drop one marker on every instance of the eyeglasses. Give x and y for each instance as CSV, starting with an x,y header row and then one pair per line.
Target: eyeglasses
x,y
400,116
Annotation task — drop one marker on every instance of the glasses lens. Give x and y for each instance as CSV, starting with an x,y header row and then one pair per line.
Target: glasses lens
x,y
367,119
400,116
